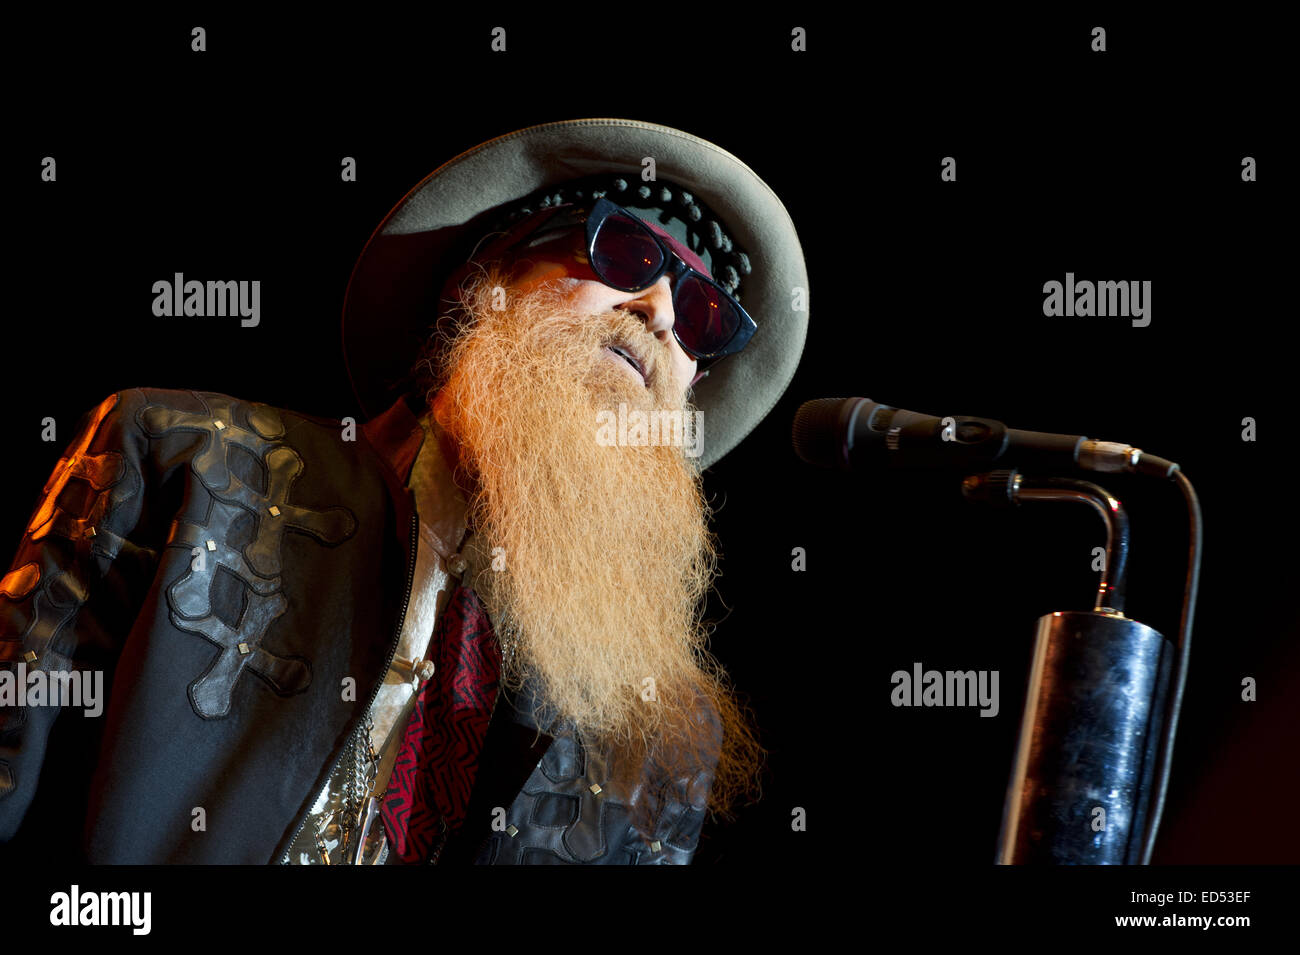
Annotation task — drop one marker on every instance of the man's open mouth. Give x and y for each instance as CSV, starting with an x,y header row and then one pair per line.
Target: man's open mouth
x,y
628,356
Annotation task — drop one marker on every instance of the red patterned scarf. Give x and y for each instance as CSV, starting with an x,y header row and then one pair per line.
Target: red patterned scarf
x,y
438,761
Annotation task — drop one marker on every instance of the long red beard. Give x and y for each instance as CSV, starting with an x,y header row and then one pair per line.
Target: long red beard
x,y
607,551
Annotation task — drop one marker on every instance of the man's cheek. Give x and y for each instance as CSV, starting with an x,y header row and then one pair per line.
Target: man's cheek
x,y
533,275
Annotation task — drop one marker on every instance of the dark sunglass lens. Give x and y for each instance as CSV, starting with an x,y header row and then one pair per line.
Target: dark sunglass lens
x,y
625,253
706,319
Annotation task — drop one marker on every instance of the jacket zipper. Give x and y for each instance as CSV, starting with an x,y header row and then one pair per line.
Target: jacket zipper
x,y
392,651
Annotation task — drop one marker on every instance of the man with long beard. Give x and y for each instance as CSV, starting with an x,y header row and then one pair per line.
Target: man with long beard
x,y
606,549
520,677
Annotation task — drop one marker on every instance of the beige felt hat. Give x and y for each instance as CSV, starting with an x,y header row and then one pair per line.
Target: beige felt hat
x,y
743,232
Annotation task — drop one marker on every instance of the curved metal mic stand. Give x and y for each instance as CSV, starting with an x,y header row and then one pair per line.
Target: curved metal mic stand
x,y
1095,715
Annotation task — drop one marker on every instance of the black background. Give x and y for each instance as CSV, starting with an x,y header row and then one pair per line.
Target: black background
x,y
924,294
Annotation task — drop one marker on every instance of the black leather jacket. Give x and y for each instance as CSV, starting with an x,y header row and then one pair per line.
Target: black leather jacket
x,y
227,565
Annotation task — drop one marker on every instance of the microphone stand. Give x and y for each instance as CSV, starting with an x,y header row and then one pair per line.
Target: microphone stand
x,y
1098,723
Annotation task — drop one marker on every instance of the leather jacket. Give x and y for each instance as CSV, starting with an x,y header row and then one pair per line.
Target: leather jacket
x,y
228,566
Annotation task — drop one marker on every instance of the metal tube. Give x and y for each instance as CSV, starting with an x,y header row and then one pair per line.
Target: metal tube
x,y
1089,740
1110,591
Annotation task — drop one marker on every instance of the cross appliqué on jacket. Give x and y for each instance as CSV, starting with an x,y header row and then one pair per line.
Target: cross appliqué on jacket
x,y
253,570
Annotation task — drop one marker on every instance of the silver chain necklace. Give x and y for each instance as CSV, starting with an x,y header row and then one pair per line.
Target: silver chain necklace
x,y
359,765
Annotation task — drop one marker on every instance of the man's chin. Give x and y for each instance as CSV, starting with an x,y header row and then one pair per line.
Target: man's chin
x,y
611,388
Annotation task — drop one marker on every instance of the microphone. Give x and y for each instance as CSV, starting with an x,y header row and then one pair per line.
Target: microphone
x,y
856,433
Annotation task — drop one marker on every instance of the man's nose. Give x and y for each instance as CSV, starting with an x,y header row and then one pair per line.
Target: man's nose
x,y
655,305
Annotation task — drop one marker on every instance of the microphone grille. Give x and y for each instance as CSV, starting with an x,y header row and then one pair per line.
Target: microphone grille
x,y
815,434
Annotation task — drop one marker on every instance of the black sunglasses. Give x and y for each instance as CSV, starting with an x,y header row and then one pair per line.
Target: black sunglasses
x,y
627,255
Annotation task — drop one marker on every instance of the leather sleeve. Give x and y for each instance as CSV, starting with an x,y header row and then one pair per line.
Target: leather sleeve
x,y
68,602
569,813
682,817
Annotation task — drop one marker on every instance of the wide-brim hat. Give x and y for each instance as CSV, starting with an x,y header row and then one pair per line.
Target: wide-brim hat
x,y
393,297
